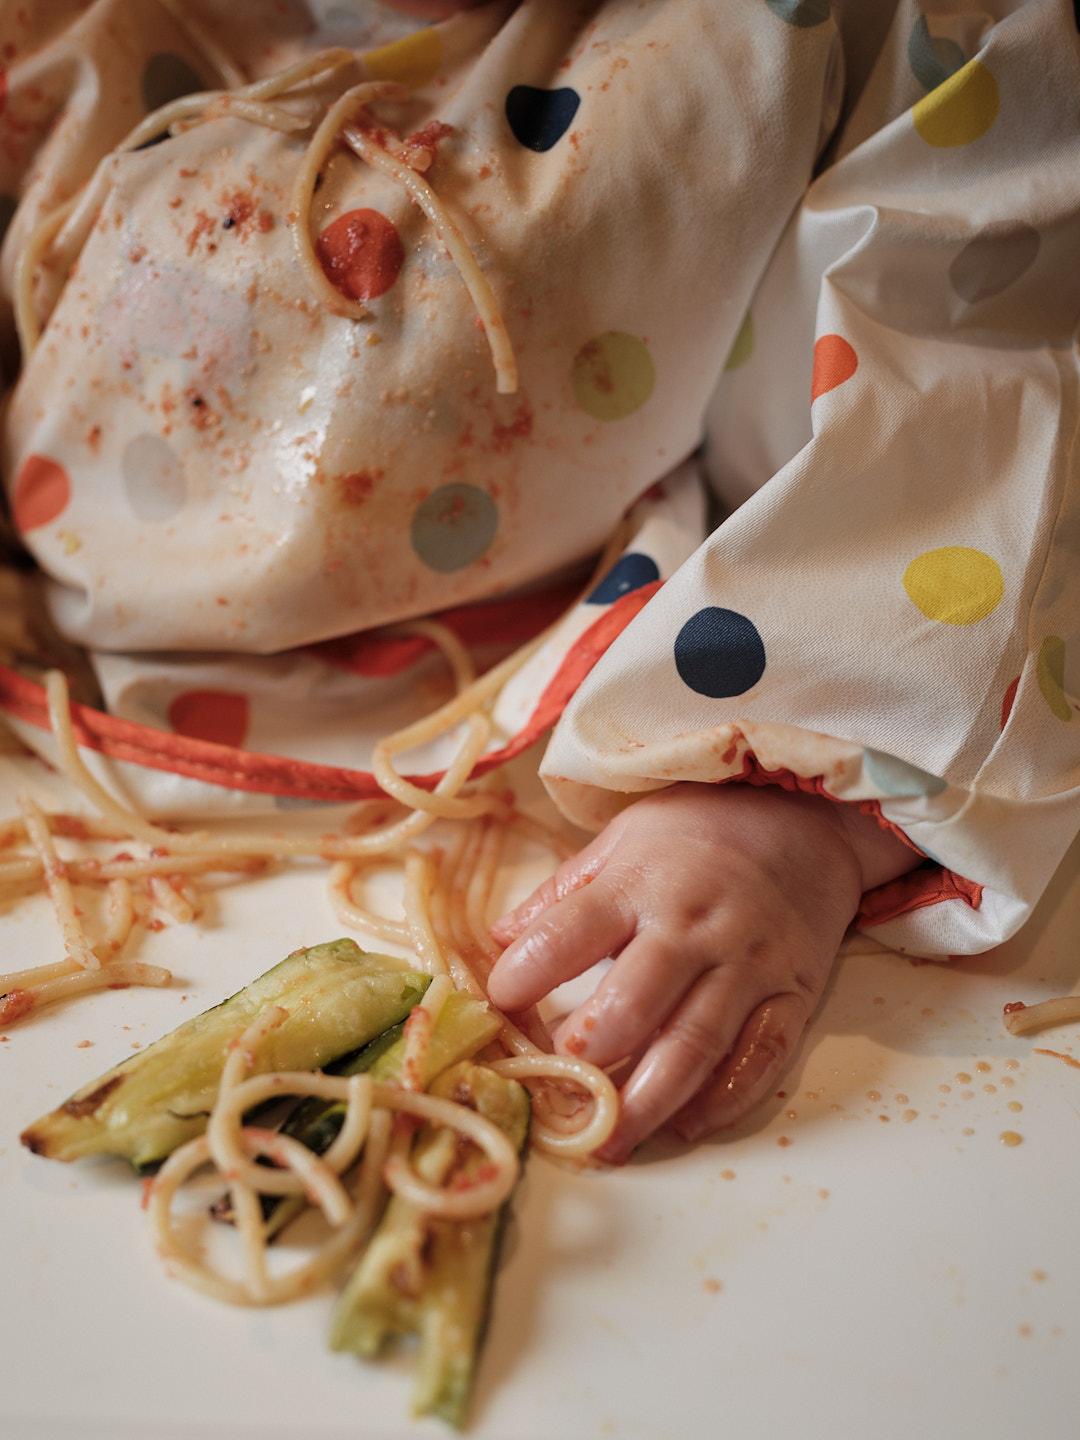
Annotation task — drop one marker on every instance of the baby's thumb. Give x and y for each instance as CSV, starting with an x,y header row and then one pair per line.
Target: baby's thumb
x,y
571,875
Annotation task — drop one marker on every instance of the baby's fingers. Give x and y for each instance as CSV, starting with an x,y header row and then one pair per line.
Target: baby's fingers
x,y
676,1065
757,1060
568,938
571,875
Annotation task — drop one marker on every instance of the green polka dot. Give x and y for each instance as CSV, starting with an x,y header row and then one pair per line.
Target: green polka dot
x,y
742,347
612,376
1051,673
955,584
166,77
896,777
803,13
453,527
960,110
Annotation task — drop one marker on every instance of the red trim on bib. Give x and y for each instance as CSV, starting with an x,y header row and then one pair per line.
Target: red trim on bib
x,y
495,622
928,886
247,770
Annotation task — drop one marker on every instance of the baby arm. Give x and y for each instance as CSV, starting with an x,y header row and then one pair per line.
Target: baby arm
x,y
723,907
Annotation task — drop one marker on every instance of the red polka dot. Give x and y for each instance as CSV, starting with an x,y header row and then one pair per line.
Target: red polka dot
x,y
361,254
1007,701
218,715
42,493
834,362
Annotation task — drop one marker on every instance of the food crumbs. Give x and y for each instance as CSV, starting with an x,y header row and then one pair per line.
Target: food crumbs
x,y
1010,1137
82,1044
712,1286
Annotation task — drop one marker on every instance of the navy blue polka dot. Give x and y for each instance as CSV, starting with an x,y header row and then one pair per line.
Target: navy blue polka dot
x,y
540,118
631,573
8,206
167,77
719,652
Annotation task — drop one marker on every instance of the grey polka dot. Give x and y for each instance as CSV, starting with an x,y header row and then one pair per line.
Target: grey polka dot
x,y
454,526
994,260
153,479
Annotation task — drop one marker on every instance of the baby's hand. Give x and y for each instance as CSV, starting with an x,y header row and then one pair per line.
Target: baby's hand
x,y
724,907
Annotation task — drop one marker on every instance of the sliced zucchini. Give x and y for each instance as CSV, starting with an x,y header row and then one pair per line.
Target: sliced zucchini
x,y
463,1026
432,1278
338,998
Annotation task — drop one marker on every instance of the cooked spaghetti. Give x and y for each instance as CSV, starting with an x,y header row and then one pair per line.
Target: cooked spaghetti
x,y
59,234
446,891
1021,1019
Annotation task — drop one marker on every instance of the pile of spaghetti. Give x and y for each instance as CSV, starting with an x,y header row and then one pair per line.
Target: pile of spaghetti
x,y
446,891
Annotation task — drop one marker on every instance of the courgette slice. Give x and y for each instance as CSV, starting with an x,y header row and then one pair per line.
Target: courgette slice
x,y
463,1026
338,998
433,1278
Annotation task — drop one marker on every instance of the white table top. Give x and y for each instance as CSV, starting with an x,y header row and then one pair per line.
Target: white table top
x,y
865,1257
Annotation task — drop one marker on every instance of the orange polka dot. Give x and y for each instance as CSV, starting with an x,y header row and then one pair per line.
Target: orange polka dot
x,y
361,254
218,715
834,362
42,493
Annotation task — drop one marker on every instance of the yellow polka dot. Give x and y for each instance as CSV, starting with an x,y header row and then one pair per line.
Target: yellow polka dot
x,y
413,61
955,584
612,376
1051,673
961,109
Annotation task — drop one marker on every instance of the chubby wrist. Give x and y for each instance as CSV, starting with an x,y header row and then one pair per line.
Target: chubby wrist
x,y
880,854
